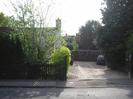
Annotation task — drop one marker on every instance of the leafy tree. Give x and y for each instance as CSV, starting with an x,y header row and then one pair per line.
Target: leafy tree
x,y
3,20
112,37
87,36
30,22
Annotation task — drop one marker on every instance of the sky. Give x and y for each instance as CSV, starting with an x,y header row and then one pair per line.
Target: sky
x,y
73,13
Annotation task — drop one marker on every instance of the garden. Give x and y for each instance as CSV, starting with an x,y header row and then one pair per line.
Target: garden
x,y
29,49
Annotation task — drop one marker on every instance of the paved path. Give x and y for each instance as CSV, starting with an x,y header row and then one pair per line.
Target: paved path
x,y
89,70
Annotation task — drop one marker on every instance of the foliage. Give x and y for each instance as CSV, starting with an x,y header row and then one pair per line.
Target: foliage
x,y
10,47
59,56
87,39
75,45
71,42
3,20
29,23
113,35
31,41
130,44
10,51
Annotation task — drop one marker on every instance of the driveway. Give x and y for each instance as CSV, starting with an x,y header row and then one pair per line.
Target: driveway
x,y
89,70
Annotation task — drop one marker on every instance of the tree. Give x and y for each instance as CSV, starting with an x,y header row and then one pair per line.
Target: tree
x,y
3,20
29,22
112,37
87,38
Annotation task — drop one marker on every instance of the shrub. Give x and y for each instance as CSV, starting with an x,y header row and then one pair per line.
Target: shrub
x,y
59,55
10,50
115,59
130,44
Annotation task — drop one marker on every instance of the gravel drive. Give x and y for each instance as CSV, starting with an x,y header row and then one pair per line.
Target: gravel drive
x,y
89,70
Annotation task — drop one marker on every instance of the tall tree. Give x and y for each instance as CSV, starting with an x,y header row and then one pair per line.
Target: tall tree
x,y
30,20
117,20
87,38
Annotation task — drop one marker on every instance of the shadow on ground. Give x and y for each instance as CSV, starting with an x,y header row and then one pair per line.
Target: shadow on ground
x,y
29,93
33,91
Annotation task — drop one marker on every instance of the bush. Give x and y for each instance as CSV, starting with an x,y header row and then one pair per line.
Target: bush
x,y
59,55
10,51
130,44
115,59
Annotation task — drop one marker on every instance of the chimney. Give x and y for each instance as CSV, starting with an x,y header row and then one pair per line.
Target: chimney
x,y
58,24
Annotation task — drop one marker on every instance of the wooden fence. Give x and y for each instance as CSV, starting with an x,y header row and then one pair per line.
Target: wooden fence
x,y
36,71
85,55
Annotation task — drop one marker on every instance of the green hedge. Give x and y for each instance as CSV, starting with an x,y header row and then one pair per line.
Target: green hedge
x,y
59,56
115,59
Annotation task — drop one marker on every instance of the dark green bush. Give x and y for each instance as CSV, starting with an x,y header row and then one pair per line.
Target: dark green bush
x,y
10,50
130,44
115,59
